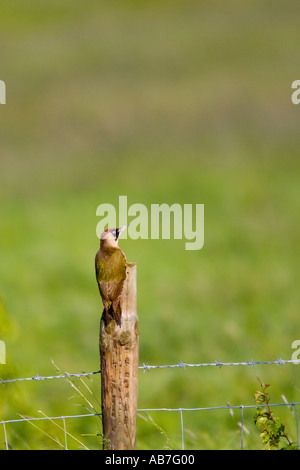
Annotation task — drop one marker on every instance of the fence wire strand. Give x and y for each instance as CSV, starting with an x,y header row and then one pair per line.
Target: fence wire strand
x,y
146,367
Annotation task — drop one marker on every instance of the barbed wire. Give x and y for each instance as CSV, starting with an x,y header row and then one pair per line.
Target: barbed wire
x,y
65,375
146,367
180,364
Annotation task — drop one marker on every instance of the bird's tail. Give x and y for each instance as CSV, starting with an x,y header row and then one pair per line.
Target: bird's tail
x,y
112,314
117,315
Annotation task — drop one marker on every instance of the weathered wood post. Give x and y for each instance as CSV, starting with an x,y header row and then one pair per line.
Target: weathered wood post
x,y
119,347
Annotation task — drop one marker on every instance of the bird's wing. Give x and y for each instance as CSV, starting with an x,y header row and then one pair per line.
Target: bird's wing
x,y
110,273
110,266
111,291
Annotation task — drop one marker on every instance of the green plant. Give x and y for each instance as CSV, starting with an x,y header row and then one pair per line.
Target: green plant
x,y
272,430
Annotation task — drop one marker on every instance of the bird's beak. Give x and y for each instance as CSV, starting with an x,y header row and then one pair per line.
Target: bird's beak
x,y
121,229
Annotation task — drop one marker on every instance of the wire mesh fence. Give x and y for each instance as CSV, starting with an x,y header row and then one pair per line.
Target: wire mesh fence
x,y
181,411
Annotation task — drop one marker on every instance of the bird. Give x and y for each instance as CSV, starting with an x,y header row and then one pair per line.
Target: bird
x,y
110,266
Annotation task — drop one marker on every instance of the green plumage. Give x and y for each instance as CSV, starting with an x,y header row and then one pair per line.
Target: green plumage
x,y
110,264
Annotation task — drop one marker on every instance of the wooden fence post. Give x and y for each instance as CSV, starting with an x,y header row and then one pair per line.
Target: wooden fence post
x,y
119,347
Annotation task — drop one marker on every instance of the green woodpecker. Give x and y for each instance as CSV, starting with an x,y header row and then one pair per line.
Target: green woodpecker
x,y
110,263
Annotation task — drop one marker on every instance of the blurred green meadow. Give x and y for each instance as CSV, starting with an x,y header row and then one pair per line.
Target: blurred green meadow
x,y
164,102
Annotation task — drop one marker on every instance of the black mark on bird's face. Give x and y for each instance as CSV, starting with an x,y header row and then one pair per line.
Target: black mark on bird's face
x,y
116,233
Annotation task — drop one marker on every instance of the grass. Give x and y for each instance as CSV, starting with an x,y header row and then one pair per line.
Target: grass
x,y
162,103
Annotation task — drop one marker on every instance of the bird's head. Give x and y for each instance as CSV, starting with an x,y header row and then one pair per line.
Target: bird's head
x,y
110,236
